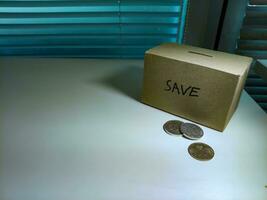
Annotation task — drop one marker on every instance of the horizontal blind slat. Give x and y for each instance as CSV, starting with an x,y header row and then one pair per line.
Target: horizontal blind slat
x,y
74,51
258,2
252,44
82,39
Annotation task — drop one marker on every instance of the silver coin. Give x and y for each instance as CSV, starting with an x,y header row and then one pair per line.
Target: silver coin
x,y
191,131
201,151
172,127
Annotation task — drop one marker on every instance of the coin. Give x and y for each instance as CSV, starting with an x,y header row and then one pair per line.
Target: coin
x,y
191,131
201,151
172,127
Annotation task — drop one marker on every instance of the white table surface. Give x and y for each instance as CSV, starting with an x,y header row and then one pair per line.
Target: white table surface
x,y
74,130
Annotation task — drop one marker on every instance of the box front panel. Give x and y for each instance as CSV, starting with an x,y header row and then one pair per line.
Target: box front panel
x,y
194,92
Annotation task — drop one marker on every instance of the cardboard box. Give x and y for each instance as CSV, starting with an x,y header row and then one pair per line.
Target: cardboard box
x,y
198,84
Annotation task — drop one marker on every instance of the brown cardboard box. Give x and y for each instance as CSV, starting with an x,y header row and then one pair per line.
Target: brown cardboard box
x,y
201,85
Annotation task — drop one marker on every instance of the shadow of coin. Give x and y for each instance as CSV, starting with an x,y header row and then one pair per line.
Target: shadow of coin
x,y
188,138
171,134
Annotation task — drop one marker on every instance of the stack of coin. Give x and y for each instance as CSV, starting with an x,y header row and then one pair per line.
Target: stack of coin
x,y
191,131
199,151
172,127
188,130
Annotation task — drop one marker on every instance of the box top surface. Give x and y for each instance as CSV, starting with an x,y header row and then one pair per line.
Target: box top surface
x,y
230,63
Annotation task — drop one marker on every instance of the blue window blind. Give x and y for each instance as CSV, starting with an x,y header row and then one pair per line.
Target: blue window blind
x,y
89,28
253,43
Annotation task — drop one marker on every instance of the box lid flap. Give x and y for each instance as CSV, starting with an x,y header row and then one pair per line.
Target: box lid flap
x,y
230,63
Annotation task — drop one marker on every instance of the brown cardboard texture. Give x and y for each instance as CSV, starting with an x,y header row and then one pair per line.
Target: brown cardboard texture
x,y
201,85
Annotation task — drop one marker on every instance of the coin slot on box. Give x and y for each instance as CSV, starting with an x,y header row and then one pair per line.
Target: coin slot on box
x,y
202,54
